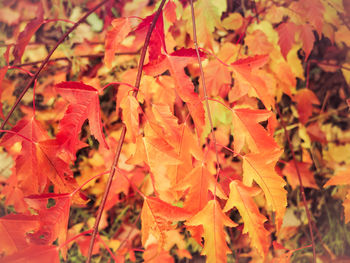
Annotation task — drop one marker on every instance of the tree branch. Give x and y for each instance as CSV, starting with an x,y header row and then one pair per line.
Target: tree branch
x,y
123,132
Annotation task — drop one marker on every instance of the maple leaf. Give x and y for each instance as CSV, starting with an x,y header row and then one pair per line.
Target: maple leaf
x,y
130,106
25,36
198,182
262,171
213,220
310,11
34,254
286,32
152,255
246,128
121,28
14,230
30,173
84,104
246,71
165,118
53,220
157,217
159,155
307,37
37,161
217,77
305,98
175,63
157,41
306,175
241,197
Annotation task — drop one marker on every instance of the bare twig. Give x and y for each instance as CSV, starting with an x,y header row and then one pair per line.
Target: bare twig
x,y
123,132
59,42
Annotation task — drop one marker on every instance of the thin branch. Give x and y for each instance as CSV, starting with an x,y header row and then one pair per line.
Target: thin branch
x,y
123,132
308,214
59,42
205,91
81,56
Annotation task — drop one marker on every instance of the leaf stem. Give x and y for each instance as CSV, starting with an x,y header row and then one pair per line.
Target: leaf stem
x,y
308,214
59,42
205,92
123,132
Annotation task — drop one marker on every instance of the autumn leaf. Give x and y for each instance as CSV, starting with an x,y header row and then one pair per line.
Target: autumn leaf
x,y
307,37
286,32
25,36
159,156
305,98
262,171
246,129
53,220
14,231
213,220
34,254
307,176
129,106
198,182
157,217
241,196
121,28
246,71
175,63
84,104
30,165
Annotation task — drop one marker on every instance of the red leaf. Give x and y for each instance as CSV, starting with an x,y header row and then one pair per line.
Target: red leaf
x,y
34,254
25,36
14,230
157,41
307,37
286,32
84,104
53,220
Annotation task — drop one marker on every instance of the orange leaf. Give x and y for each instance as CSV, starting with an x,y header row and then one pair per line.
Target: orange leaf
x,y
306,175
262,171
157,217
175,63
246,129
241,197
121,28
213,220
198,182
130,106
305,98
